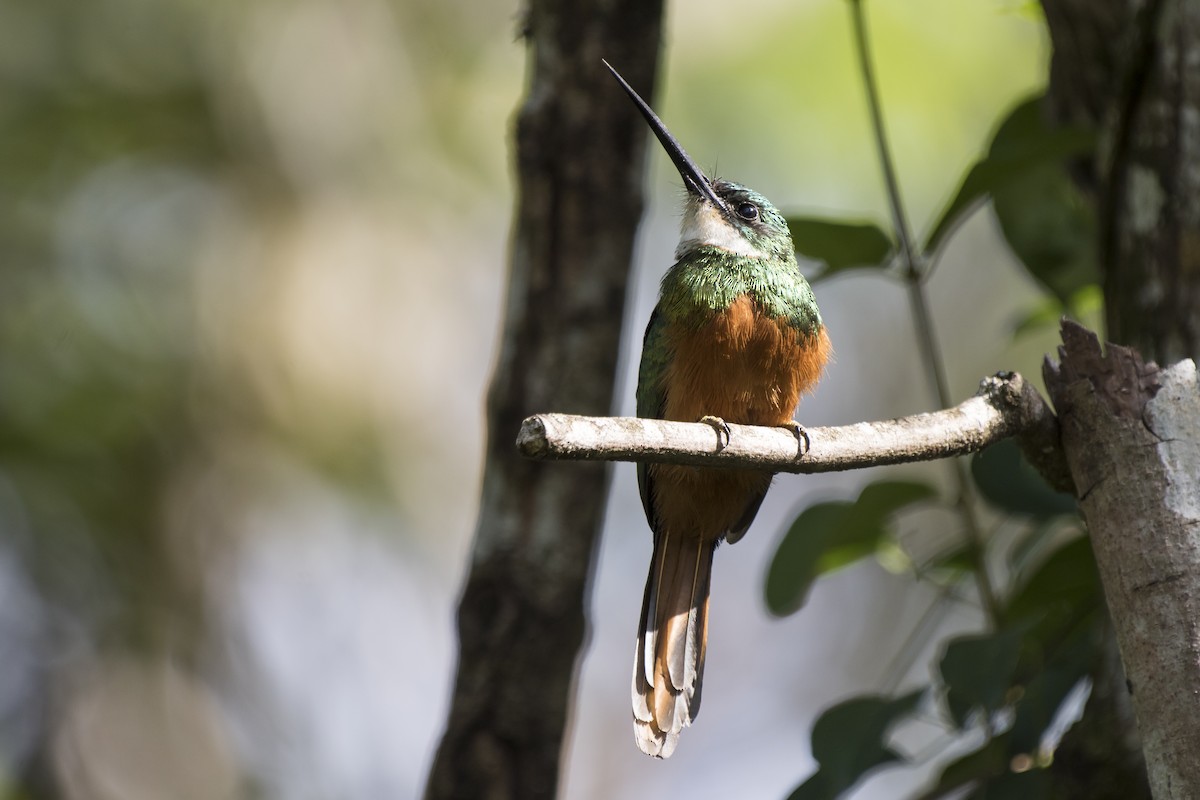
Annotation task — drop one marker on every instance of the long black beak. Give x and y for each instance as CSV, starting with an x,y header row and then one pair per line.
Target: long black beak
x,y
693,178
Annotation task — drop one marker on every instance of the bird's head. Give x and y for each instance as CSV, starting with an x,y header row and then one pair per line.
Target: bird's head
x,y
718,214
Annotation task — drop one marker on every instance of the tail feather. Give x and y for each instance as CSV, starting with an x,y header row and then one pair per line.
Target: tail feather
x,y
669,661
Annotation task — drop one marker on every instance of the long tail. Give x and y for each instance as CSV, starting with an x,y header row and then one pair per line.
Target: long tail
x,y
668,665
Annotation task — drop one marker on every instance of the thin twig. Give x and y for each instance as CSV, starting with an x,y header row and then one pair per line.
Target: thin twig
x,y
903,232
923,320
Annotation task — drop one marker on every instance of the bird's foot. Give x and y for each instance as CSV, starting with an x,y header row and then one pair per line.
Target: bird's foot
x,y
720,426
803,444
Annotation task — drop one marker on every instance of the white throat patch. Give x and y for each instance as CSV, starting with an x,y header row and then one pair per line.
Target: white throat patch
x,y
704,225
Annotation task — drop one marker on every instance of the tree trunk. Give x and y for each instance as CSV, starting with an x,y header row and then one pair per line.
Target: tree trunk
x,y
1132,438
1126,70
579,152
1120,68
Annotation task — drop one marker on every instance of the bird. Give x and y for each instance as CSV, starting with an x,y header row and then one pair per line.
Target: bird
x,y
736,337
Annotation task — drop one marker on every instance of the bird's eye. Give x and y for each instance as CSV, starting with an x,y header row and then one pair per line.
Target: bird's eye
x,y
748,211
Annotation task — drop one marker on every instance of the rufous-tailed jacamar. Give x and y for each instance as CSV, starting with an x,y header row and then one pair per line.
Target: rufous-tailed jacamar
x,y
736,337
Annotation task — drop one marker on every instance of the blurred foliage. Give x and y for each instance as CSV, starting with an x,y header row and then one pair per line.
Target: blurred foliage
x,y
129,151
850,739
828,536
1009,682
106,135
1043,216
840,245
1010,483
1024,148
105,126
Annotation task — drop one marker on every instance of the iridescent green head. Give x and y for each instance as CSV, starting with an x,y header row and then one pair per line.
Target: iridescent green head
x,y
718,214
746,225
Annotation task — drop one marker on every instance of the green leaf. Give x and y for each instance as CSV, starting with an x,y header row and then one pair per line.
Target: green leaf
x,y
794,567
1059,648
1011,484
1037,704
1031,785
1046,313
989,761
1066,584
1085,304
1051,228
841,245
958,558
865,523
849,739
881,498
1042,698
1029,548
1021,143
830,535
977,671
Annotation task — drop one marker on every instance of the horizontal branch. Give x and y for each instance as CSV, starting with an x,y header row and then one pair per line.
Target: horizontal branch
x,y
1005,406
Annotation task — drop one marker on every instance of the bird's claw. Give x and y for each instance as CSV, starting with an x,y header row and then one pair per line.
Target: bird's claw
x,y
720,426
803,444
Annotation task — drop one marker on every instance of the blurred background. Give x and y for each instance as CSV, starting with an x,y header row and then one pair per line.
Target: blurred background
x,y
251,261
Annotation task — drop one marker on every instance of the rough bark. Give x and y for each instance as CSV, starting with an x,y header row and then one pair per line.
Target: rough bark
x,y
1151,216
579,154
1132,437
1120,68
1126,69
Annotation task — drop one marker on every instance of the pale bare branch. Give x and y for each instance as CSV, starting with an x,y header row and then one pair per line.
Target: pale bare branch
x,y
1005,406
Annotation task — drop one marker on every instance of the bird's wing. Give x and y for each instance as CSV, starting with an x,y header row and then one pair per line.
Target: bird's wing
x,y
734,535
651,393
